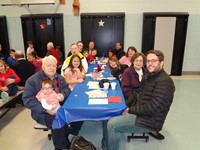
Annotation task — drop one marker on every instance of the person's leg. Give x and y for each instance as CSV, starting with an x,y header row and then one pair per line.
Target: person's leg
x,y
12,89
59,136
120,124
104,141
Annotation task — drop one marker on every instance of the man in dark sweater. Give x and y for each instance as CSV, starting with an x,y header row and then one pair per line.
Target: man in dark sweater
x,y
119,52
146,113
23,68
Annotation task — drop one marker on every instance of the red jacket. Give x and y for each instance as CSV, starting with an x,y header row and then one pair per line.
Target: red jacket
x,y
55,54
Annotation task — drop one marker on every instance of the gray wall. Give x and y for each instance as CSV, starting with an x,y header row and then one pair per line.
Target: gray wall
x,y
133,21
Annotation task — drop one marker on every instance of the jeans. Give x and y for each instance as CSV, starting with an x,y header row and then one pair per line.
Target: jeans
x,y
60,136
117,125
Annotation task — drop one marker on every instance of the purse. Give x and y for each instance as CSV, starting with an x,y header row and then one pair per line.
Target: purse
x,y
80,143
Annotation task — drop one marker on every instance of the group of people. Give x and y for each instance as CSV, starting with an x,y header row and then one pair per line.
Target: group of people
x,y
147,89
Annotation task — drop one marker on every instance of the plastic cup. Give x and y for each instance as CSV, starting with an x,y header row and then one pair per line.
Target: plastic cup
x,y
105,87
113,85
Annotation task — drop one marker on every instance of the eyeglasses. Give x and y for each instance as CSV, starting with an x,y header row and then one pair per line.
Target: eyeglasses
x,y
47,88
138,60
152,61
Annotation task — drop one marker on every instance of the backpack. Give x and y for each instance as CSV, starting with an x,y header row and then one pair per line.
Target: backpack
x,y
80,143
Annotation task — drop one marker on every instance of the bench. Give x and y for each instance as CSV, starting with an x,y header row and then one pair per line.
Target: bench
x,y
11,100
39,126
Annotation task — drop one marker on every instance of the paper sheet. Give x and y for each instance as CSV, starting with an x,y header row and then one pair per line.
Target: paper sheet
x,y
96,94
97,101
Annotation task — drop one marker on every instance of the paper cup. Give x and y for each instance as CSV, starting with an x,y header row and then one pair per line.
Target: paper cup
x,y
113,85
105,87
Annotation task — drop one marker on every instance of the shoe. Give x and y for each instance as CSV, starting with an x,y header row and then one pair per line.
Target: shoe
x,y
4,96
157,136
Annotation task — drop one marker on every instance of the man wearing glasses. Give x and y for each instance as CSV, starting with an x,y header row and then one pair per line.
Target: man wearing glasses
x,y
148,112
46,116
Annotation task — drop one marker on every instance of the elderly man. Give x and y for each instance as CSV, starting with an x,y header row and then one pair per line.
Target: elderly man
x,y
51,51
148,112
74,50
43,116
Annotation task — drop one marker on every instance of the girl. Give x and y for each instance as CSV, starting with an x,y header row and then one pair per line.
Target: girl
x,y
37,62
116,69
75,72
47,96
8,80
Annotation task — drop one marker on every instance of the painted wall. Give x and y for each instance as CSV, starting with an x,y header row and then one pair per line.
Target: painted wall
x,y
133,21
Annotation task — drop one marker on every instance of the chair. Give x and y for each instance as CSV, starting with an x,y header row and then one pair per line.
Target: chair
x,y
39,126
143,136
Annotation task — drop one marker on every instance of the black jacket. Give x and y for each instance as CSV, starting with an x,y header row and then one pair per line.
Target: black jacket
x,y
153,104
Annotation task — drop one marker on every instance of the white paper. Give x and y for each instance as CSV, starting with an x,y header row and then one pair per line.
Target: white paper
x,y
93,85
96,94
97,101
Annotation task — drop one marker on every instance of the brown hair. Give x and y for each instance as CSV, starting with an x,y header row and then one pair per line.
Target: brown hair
x,y
70,63
158,53
46,81
136,55
114,59
132,48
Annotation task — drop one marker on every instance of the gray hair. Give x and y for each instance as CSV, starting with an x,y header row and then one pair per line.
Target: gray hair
x,y
47,58
50,45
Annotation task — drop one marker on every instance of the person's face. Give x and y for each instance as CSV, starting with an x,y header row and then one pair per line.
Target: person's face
x,y
153,64
94,53
30,45
110,54
91,45
74,49
49,68
118,46
113,64
138,63
12,54
131,53
30,58
47,88
76,62
86,54
2,68
80,46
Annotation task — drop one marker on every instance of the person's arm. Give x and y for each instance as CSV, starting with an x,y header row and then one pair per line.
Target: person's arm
x,y
15,78
159,100
28,97
45,105
68,77
85,64
81,75
126,83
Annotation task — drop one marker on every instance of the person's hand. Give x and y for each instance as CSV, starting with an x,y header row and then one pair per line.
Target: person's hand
x,y
4,88
125,111
60,97
80,80
77,69
51,112
10,81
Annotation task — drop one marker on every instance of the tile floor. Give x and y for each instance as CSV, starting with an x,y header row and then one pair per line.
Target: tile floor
x,y
181,128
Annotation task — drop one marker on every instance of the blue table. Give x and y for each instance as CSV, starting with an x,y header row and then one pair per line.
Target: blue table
x,y
76,106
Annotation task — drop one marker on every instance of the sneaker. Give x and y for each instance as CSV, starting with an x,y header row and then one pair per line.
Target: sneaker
x,y
157,135
4,96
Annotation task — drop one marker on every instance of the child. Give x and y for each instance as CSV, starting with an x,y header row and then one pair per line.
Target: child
x,y
75,72
11,58
91,56
30,48
8,80
116,68
47,96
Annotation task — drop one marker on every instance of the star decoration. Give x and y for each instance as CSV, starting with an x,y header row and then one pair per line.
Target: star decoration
x,y
101,23
42,26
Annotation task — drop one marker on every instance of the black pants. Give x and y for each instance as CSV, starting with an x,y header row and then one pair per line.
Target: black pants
x,y
60,136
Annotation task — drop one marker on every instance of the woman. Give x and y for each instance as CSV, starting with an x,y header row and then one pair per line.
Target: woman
x,y
8,80
75,72
116,69
129,54
37,62
132,76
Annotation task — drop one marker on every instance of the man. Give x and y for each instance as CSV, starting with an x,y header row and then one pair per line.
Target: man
x,y
148,112
43,116
52,51
119,52
23,68
74,50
